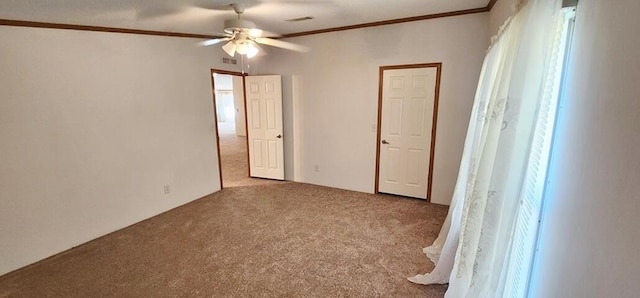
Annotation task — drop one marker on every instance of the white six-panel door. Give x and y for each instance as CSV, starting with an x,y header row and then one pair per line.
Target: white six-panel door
x,y
264,126
408,97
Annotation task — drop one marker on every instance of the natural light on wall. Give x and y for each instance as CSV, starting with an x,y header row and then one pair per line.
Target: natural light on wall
x,y
525,234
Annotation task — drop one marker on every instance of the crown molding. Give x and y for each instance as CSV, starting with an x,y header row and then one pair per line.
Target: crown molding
x,y
19,23
390,22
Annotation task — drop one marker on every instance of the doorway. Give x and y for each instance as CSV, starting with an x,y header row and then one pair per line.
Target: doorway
x,y
407,119
230,122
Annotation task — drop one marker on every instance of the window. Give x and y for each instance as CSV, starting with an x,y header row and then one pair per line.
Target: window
x,y
524,238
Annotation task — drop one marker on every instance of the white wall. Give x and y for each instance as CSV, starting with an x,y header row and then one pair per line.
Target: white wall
x,y
238,100
225,106
92,126
590,236
336,98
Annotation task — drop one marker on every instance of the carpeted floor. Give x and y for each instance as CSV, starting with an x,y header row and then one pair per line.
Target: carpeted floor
x,y
257,238
233,154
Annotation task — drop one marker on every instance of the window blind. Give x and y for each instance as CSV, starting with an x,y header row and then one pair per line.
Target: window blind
x,y
528,217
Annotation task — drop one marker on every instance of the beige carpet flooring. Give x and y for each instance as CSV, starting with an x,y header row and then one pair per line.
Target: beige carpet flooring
x,y
233,154
255,238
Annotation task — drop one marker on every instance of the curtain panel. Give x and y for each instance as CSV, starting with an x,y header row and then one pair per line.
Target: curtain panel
x,y
472,250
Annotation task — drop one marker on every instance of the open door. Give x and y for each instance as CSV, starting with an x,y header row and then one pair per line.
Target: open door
x,y
264,126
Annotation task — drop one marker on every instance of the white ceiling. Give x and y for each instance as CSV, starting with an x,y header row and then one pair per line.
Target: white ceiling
x,y
198,17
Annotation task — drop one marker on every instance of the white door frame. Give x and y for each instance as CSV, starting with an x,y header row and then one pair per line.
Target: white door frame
x,y
215,116
438,67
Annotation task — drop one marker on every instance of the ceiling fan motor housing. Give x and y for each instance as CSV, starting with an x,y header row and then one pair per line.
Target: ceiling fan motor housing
x,y
235,25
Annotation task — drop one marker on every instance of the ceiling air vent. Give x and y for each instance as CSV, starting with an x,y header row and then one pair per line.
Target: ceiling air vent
x,y
300,19
229,61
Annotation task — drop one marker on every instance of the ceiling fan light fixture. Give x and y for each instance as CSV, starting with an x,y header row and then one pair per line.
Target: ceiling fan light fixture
x,y
252,50
247,48
242,48
230,48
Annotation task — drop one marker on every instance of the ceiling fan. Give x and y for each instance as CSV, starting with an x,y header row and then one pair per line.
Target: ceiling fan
x,y
243,37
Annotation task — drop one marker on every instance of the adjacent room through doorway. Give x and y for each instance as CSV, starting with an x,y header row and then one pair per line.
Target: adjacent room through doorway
x,y
229,109
231,122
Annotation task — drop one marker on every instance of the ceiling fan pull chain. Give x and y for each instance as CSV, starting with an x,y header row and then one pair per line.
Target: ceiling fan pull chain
x,y
242,62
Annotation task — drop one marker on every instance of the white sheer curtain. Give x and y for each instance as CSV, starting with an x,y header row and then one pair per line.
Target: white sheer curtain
x,y
472,249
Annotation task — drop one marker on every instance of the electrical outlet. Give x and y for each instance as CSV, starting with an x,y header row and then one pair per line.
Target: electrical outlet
x,y
316,168
167,189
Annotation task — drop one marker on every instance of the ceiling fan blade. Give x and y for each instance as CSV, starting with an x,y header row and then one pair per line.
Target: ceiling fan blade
x,y
210,42
281,44
255,33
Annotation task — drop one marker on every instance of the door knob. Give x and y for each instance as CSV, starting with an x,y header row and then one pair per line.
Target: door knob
x,y
279,137
385,142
